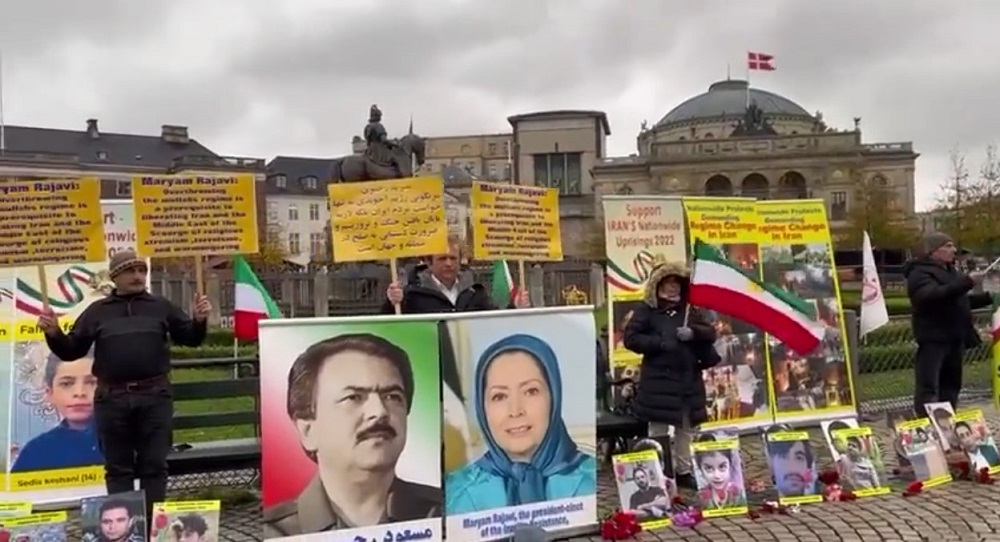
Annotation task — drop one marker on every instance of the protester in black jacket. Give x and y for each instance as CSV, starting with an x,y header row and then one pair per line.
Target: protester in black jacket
x,y
131,331
942,320
676,344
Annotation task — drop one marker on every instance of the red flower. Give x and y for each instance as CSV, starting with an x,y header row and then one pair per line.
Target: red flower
x,y
913,488
678,501
829,477
963,468
984,477
4,535
160,521
619,526
848,495
753,515
769,507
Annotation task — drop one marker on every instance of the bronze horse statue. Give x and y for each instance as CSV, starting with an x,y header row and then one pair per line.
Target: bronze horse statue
x,y
361,167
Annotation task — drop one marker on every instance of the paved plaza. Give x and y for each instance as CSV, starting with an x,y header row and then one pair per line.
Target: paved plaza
x,y
960,511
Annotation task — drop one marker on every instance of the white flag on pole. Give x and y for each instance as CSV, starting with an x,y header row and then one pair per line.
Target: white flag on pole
x,y
874,313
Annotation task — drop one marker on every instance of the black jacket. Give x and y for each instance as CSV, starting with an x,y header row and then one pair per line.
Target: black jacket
x,y
423,296
942,305
671,370
131,336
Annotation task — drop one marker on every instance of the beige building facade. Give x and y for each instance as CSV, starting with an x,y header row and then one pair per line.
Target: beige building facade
x,y
732,140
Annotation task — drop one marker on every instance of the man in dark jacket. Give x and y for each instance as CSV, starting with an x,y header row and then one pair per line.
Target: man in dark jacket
x,y
131,331
942,320
676,345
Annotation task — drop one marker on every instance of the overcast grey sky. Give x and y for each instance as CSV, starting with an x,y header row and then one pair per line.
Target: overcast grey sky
x,y
262,78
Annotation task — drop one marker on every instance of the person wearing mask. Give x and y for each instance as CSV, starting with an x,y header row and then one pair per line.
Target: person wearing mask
x,y
676,344
131,331
941,320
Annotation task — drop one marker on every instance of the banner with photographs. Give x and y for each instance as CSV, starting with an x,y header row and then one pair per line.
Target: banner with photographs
x,y
641,232
737,390
529,408
858,459
121,516
52,453
796,253
182,521
40,527
350,411
919,443
643,488
966,435
718,472
792,462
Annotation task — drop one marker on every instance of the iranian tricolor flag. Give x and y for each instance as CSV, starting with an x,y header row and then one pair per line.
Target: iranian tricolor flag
x,y
721,286
253,303
504,290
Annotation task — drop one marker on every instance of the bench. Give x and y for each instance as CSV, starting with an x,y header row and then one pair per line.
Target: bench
x,y
616,428
224,454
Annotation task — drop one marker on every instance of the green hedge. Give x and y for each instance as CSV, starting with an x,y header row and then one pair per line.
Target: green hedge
x,y
896,303
894,357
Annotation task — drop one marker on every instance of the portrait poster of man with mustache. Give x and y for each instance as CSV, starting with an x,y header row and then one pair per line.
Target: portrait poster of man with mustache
x,y
351,423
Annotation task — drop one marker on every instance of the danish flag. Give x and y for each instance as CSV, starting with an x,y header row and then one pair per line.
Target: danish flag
x,y
760,62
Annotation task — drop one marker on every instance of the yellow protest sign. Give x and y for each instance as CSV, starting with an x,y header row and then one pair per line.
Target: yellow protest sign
x,y
383,220
515,222
193,215
51,221
799,222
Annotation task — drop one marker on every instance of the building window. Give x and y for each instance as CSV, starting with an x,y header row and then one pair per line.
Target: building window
x,y
272,211
492,149
559,170
313,211
309,183
838,206
493,172
316,247
280,181
294,248
102,155
123,189
293,213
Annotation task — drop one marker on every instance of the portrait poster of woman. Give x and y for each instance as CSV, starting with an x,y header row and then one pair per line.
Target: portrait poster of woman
x,y
528,379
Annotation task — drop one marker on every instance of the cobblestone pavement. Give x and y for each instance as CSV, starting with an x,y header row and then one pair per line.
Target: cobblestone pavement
x,y
961,511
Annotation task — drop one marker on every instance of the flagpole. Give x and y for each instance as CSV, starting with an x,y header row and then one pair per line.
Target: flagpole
x,y
747,63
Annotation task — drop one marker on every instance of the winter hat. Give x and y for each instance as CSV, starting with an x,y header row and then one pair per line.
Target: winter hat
x,y
123,261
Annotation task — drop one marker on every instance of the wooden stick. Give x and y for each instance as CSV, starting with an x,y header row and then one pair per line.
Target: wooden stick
x,y
199,275
43,286
521,279
394,276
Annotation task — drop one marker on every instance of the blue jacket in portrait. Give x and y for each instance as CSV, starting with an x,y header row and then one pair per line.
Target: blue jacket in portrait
x,y
61,447
557,470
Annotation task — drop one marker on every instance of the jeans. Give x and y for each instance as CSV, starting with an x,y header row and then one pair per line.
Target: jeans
x,y
683,435
135,433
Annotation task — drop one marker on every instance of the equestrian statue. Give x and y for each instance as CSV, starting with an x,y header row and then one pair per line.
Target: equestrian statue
x,y
383,158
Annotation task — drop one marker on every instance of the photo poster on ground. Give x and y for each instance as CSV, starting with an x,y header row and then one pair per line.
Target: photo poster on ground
x,y
193,215
41,527
344,396
792,462
965,433
736,389
527,380
515,223
859,461
640,233
797,254
718,471
50,451
643,488
388,220
121,516
920,445
13,509
181,521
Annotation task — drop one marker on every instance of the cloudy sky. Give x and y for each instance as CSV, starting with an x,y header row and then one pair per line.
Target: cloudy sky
x,y
261,78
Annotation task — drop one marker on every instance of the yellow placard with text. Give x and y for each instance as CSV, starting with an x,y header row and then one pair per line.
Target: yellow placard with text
x,y
179,507
515,222
195,214
15,508
382,220
797,255
719,221
55,479
34,520
51,222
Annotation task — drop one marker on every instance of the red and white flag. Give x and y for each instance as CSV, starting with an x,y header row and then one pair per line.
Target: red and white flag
x,y
762,62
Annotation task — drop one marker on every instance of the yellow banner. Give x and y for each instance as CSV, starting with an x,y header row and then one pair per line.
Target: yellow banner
x,y
515,222
174,507
51,222
193,215
55,479
34,520
15,508
382,220
736,388
796,254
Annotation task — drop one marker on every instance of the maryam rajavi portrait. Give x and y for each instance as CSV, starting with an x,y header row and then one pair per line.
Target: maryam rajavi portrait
x,y
528,385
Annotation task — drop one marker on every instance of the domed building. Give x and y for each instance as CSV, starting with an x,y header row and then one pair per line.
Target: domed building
x,y
735,140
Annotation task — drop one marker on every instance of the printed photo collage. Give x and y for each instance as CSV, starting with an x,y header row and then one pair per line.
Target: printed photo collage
x,y
735,389
819,380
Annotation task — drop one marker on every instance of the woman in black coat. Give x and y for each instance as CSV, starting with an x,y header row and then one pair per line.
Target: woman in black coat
x,y
676,344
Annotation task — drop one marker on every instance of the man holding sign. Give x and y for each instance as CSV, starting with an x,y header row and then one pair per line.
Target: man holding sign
x,y
133,403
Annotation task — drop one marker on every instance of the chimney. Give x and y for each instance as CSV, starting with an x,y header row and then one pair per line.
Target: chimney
x,y
92,129
174,134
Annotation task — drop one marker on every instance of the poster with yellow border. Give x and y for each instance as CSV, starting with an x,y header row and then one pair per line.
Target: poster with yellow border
x,y
736,389
52,453
796,253
641,232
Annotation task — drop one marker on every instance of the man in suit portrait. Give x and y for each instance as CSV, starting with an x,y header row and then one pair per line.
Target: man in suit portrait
x,y
349,397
